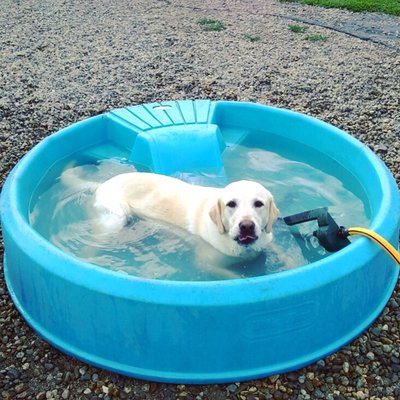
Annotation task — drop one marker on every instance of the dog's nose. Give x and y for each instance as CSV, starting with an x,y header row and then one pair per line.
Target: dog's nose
x,y
246,227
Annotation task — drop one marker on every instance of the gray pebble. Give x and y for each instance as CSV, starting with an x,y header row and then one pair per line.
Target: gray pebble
x,y
371,356
361,382
344,380
86,377
231,388
319,394
13,373
346,367
381,148
65,394
376,331
20,388
49,366
387,348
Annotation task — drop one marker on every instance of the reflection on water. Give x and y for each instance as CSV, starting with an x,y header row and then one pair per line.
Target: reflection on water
x,y
153,250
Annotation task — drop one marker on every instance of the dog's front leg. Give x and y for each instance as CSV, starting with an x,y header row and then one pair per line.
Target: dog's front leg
x,y
213,262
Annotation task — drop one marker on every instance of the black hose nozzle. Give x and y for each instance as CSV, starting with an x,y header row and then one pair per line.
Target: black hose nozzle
x,y
330,236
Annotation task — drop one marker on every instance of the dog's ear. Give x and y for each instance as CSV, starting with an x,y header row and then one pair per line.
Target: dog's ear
x,y
216,216
273,215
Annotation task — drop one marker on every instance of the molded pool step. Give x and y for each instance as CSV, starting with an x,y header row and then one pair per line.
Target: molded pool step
x,y
174,136
183,148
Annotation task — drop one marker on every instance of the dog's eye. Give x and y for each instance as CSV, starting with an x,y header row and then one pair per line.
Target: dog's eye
x,y
231,204
258,204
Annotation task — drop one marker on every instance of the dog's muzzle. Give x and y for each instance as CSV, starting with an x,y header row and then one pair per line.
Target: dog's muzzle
x,y
247,233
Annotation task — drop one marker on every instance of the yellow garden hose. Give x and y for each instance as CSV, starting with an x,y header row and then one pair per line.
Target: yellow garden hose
x,y
377,239
333,237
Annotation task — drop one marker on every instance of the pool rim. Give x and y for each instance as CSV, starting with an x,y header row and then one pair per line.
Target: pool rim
x,y
198,293
361,246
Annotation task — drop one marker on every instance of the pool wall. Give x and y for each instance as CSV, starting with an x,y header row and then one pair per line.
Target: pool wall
x,y
198,332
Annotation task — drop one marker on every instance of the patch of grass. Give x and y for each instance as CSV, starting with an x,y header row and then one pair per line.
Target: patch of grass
x,y
316,37
209,24
312,37
252,38
385,6
297,28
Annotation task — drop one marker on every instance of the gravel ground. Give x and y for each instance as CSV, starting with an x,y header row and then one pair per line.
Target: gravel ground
x,y
62,61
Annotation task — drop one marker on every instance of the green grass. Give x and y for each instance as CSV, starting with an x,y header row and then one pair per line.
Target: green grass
x,y
311,37
209,24
316,37
297,28
252,38
385,6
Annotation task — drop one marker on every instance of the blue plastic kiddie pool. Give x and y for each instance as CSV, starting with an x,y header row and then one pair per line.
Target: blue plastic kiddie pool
x,y
203,331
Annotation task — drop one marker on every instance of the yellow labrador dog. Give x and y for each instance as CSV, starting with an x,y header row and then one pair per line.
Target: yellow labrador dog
x,y
237,220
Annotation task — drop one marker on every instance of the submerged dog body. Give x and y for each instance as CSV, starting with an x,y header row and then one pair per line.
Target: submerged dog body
x,y
237,220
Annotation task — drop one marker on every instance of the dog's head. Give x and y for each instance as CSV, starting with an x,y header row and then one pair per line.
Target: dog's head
x,y
245,211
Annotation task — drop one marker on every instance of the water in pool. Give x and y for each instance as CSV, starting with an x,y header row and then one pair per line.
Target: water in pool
x,y
153,250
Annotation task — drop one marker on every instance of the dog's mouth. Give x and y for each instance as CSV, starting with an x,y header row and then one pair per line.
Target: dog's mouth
x,y
246,240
